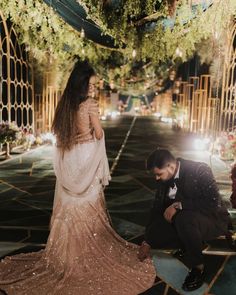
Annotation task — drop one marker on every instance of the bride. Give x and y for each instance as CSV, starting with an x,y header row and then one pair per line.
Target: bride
x,y
83,255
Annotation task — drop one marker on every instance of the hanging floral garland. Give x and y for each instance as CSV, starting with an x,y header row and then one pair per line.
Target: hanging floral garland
x,y
47,37
149,34
159,40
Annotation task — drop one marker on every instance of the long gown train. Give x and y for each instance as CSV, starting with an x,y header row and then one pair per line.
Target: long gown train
x,y
83,255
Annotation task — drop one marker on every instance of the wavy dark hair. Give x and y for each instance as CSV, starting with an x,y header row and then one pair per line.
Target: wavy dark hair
x,y
159,158
76,90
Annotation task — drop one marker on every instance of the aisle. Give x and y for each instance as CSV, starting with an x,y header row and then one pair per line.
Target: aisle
x,y
27,187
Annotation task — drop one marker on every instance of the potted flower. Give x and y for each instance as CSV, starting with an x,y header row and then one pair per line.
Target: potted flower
x,y
8,135
226,146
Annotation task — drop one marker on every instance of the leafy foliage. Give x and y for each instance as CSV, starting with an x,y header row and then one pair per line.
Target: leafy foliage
x,y
8,132
143,26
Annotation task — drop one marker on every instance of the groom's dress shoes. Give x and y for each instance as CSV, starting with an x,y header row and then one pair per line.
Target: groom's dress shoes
x,y
179,253
230,240
194,279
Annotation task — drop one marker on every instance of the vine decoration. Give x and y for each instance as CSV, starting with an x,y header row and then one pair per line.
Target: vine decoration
x,y
143,26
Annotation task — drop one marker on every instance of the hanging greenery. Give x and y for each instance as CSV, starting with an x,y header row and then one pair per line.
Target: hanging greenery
x,y
39,27
49,40
163,40
149,34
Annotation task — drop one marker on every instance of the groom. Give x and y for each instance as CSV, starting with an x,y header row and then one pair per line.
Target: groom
x,y
187,211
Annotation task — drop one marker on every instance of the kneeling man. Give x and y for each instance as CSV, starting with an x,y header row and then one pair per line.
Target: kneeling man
x,y
187,211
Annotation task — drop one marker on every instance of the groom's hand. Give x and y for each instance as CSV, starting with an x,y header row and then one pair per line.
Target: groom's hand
x,y
144,251
169,213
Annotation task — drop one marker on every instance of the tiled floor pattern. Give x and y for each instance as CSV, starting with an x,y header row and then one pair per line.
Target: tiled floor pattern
x,y
27,185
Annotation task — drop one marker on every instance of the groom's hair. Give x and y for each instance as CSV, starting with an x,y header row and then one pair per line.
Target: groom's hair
x,y
159,159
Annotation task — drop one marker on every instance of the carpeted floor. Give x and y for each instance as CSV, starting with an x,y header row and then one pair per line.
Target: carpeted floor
x,y
27,187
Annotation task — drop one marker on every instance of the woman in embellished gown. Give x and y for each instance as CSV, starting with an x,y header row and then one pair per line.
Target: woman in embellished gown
x,y
83,255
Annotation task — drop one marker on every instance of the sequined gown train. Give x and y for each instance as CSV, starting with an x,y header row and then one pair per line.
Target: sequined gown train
x,y
83,255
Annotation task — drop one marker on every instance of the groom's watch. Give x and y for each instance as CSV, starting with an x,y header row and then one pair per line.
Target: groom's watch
x,y
177,205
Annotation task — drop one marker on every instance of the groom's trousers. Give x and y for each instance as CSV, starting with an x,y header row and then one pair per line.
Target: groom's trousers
x,y
188,231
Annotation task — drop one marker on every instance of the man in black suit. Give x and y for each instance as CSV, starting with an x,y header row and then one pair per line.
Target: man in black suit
x,y
187,211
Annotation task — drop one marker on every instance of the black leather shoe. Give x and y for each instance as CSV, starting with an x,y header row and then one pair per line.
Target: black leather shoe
x,y
179,253
194,279
231,242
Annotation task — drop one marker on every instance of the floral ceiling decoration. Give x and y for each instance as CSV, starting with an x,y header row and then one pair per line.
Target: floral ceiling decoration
x,y
131,42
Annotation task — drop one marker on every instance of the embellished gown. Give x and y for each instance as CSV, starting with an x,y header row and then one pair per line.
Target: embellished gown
x,y
83,255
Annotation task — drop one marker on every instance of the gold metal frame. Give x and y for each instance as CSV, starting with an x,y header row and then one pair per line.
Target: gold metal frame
x,y
228,96
16,79
195,98
46,102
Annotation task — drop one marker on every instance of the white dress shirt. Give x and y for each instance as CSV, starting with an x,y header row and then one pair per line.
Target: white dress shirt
x,y
172,191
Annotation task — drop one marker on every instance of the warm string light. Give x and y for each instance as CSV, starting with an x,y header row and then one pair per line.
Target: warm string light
x,y
82,33
134,53
178,52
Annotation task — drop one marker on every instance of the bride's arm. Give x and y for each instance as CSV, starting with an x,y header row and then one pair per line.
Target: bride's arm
x,y
98,131
94,118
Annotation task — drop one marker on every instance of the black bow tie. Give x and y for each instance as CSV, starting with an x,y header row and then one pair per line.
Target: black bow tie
x,y
172,182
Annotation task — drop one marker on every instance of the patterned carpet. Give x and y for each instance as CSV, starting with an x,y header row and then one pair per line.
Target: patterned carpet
x,y
27,187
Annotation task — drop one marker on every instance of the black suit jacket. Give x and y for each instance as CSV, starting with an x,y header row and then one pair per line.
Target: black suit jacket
x,y
196,190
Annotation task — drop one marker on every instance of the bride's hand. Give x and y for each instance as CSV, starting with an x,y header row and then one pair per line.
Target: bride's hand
x,y
144,251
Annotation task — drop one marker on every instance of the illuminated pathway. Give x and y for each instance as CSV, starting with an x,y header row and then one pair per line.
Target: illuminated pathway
x,y
27,188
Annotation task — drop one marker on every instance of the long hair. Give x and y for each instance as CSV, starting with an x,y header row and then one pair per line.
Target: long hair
x,y
64,124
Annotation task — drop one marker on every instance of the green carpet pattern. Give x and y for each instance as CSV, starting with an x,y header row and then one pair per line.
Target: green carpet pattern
x,y
27,188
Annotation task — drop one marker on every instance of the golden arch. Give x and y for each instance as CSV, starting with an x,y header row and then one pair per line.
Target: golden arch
x,y
16,79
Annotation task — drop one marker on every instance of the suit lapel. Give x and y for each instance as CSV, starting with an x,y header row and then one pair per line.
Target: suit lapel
x,y
181,180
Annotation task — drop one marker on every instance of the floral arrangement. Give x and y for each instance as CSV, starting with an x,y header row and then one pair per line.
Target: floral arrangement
x,y
225,145
48,137
27,139
8,132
